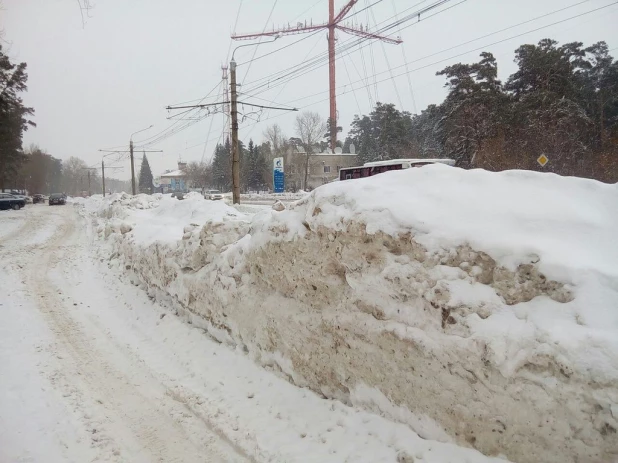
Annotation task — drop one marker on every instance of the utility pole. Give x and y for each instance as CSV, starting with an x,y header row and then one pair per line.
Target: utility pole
x,y
109,153
89,192
227,121
132,161
234,118
332,24
331,76
103,175
235,153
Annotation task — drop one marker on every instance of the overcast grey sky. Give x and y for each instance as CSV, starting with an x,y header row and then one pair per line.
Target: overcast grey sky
x,y
92,86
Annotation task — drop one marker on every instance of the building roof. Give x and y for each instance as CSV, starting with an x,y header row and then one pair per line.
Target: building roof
x,y
335,154
175,173
449,162
298,149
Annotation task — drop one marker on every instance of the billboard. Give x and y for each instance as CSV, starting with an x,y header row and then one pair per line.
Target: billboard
x,y
278,176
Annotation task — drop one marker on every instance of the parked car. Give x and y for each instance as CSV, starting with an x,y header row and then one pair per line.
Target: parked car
x,y
38,199
20,196
8,201
57,198
213,195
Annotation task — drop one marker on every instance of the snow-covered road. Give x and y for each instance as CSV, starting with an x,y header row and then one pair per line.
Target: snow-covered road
x,y
91,369
87,397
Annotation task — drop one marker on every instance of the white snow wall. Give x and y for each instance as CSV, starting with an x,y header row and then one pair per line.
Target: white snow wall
x,y
341,310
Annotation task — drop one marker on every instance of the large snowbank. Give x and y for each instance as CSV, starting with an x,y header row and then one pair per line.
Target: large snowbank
x,y
476,306
272,197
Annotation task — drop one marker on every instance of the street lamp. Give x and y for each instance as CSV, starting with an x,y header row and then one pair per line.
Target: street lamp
x,y
132,163
234,115
253,45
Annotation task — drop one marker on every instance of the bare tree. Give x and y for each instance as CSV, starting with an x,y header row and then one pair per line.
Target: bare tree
x,y
199,174
310,128
84,8
274,135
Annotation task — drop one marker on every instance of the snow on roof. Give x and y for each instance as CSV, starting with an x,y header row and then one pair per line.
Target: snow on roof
x,y
175,173
449,162
335,154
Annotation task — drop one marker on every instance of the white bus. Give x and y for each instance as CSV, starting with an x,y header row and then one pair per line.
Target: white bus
x,y
372,168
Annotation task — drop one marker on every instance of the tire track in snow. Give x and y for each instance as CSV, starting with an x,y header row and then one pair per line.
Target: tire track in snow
x,y
129,417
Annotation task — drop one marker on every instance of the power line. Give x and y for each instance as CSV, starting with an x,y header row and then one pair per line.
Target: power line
x,y
475,49
469,51
175,127
229,48
315,62
281,48
388,64
263,30
212,119
405,60
353,91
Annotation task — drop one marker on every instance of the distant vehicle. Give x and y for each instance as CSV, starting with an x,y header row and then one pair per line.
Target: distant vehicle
x,y
178,195
38,199
373,168
57,198
8,201
20,196
213,195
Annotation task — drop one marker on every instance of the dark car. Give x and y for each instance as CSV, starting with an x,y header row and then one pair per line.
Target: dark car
x,y
38,199
57,198
8,201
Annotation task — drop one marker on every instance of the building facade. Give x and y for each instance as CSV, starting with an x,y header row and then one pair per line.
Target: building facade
x,y
174,180
323,168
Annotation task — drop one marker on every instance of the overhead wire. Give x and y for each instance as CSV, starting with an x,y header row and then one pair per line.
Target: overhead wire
x,y
405,60
281,89
350,80
175,127
467,51
229,48
373,64
255,48
308,9
323,56
388,64
362,55
281,48
316,62
210,125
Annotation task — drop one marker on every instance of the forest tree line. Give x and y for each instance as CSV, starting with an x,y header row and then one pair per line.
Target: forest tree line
x,y
561,102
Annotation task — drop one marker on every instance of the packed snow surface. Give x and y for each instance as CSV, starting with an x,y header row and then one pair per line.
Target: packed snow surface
x,y
96,370
471,306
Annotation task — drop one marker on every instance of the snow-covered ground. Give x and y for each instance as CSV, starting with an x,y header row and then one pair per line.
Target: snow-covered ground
x,y
93,367
473,307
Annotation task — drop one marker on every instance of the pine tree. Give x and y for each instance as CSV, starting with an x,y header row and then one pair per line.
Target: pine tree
x,y
255,167
222,167
145,177
473,108
13,117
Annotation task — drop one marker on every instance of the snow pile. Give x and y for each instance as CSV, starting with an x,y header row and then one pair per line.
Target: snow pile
x,y
272,197
474,306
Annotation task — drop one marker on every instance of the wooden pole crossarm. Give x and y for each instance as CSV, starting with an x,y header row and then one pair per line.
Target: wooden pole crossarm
x,y
369,35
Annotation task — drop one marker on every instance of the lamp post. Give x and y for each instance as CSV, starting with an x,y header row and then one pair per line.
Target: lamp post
x,y
132,163
234,116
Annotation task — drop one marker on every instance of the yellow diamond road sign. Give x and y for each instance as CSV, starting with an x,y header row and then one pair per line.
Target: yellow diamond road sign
x,y
542,160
